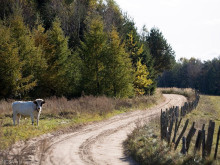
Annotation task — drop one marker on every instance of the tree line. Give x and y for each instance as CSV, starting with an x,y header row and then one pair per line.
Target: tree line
x,y
68,48
193,73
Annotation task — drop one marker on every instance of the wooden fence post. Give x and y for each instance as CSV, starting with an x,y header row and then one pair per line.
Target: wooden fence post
x,y
203,141
209,140
177,111
161,124
170,130
191,133
164,124
183,150
181,134
198,141
216,147
177,125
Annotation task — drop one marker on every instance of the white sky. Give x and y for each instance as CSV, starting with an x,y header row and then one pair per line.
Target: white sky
x,y
191,27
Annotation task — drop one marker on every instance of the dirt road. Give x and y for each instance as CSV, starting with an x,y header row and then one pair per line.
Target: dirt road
x,y
99,143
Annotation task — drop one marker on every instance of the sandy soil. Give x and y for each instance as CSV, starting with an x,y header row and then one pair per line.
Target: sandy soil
x,y
98,143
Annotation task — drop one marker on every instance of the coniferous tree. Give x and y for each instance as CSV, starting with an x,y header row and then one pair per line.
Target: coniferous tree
x,y
118,68
92,53
161,51
31,57
10,65
57,54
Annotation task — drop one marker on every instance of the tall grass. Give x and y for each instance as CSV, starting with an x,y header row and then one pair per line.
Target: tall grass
x,y
61,107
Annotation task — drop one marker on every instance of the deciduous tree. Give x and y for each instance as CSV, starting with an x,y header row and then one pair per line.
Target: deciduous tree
x,y
141,78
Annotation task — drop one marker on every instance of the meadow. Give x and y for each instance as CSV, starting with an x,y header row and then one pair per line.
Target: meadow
x,y
62,114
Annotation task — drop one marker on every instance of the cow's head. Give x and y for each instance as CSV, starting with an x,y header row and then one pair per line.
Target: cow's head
x,y
39,103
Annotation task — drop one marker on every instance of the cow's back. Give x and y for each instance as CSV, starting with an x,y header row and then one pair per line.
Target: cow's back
x,y
23,107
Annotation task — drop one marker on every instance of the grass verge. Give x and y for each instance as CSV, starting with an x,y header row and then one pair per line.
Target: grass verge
x,y
145,146
59,113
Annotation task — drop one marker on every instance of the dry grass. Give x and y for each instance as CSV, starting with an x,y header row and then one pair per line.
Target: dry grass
x,y
208,109
60,113
145,147
140,144
61,107
187,92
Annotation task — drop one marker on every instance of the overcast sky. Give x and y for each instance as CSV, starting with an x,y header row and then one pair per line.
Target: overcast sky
x,y
192,27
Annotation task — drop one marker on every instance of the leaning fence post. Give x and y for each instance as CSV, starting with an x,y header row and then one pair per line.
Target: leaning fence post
x,y
209,140
216,148
198,141
176,129
181,134
191,133
183,150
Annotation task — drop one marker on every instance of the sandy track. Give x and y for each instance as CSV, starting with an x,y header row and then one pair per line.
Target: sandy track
x,y
99,143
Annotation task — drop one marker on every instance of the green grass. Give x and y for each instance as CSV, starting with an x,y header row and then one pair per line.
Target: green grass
x,y
11,134
69,114
208,109
140,144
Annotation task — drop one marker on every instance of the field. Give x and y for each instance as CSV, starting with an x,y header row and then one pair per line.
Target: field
x,y
61,114
145,146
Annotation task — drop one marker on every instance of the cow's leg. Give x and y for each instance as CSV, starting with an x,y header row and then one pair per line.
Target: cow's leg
x,y
32,119
18,118
14,117
38,117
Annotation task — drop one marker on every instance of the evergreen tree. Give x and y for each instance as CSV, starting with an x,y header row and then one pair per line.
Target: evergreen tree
x,y
161,51
31,57
57,55
118,68
92,53
10,65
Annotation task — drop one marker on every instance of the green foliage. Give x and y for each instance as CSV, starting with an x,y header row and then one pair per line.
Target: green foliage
x,y
64,48
10,66
118,68
30,55
141,78
92,53
203,76
132,47
57,55
162,53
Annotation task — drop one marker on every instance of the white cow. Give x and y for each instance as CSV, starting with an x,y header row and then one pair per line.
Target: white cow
x,y
27,108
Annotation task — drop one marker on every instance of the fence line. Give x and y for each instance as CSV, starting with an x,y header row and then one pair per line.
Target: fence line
x,y
171,119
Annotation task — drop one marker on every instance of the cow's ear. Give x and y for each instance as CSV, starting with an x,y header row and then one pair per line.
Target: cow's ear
x,y
43,102
35,102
